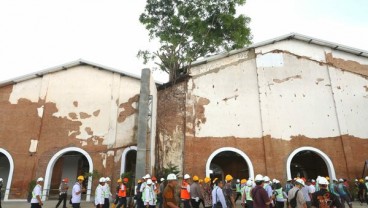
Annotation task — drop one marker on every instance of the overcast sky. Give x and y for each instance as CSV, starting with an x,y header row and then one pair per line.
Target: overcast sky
x,y
40,34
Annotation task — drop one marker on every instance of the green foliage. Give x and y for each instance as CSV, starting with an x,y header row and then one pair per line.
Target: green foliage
x,y
169,169
130,184
31,185
95,175
190,29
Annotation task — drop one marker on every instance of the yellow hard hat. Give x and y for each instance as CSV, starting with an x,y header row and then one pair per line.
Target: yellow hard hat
x,y
139,181
195,178
361,180
207,179
200,181
228,178
120,180
243,181
80,178
328,178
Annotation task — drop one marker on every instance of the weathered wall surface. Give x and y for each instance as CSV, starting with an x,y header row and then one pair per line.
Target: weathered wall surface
x,y
272,100
79,107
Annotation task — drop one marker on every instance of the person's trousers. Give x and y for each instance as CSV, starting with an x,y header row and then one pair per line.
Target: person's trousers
x,y
249,204
280,204
62,198
76,205
122,202
106,203
195,204
140,203
35,205
186,203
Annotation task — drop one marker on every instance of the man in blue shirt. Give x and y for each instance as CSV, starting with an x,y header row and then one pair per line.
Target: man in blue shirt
x,y
218,198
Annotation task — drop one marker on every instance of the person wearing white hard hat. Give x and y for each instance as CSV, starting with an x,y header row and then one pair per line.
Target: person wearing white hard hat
x,y
344,193
185,191
36,201
238,190
107,193
295,195
148,195
169,192
267,186
259,194
99,193
324,198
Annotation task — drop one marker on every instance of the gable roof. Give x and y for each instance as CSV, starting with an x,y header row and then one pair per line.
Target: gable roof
x,y
65,66
290,36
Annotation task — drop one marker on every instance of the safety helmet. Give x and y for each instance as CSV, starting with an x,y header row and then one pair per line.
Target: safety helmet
x,y
300,181
341,180
361,180
107,179
366,178
162,179
171,177
214,180
102,180
120,180
323,181
207,179
186,176
277,181
228,178
1,179
195,178
243,181
200,180
327,178
149,182
154,178
238,180
40,179
266,179
147,176
139,181
80,178
258,177
125,180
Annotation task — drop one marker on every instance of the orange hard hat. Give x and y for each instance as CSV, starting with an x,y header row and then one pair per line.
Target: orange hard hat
x,y
125,180
154,178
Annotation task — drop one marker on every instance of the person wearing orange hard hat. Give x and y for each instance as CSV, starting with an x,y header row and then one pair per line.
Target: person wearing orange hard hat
x,y
63,189
122,193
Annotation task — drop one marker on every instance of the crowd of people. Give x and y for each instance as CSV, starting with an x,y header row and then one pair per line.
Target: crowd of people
x,y
193,192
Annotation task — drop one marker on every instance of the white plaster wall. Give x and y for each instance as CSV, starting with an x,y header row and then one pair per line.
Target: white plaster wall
x,y
234,102
296,99
351,96
28,89
125,131
92,89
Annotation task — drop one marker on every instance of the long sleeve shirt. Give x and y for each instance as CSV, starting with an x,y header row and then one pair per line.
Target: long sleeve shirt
x,y
149,196
218,196
99,195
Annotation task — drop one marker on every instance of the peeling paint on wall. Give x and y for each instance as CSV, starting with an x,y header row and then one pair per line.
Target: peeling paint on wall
x,y
287,79
270,60
40,111
33,146
128,108
348,65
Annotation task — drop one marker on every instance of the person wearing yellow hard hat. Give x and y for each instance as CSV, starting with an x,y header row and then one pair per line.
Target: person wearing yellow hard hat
x,y
207,192
122,193
77,192
228,192
195,192
362,189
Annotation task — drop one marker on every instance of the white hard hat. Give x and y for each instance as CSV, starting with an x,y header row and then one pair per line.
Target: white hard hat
x,y
171,177
238,180
323,181
107,179
40,179
102,180
258,177
366,178
149,181
274,180
313,180
300,181
186,176
341,180
162,179
277,181
266,178
1,179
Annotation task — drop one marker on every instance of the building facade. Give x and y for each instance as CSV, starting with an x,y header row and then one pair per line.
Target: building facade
x,y
290,107
70,120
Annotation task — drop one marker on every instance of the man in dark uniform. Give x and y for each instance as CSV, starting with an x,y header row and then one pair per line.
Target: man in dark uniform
x,y
323,198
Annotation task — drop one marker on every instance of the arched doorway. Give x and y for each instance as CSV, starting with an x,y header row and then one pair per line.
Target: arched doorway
x,y
309,162
69,162
229,160
128,160
6,171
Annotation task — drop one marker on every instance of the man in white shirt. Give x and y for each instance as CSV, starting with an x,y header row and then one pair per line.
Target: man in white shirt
x,y
77,192
99,194
148,195
218,198
36,201
107,193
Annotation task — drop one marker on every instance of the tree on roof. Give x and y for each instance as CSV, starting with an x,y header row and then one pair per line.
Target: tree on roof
x,y
190,29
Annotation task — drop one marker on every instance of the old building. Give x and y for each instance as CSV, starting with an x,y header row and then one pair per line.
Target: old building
x,y
69,120
287,107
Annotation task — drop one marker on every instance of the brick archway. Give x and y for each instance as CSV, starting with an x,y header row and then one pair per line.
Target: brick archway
x,y
231,149
50,167
10,176
326,159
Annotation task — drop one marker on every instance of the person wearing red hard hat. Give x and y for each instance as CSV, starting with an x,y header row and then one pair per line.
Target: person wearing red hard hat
x,y
122,193
63,189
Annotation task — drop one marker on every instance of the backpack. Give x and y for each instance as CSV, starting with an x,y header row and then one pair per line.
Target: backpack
x,y
293,200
